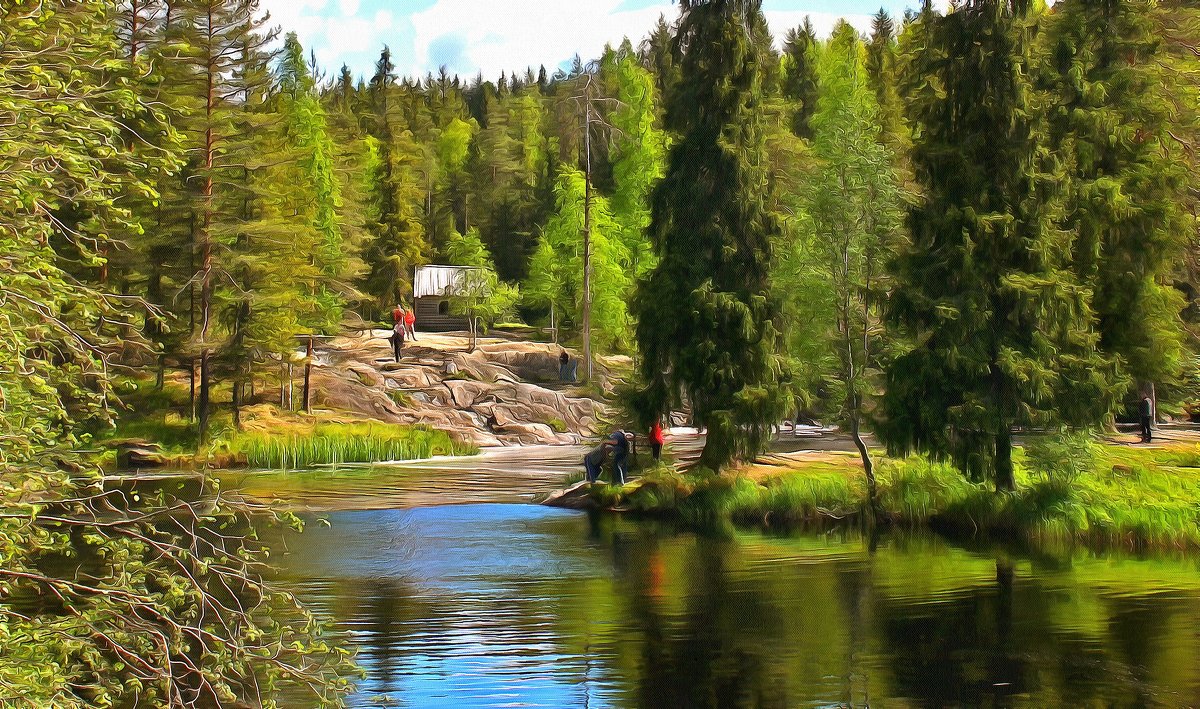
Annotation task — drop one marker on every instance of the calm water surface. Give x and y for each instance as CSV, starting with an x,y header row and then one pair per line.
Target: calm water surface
x,y
515,605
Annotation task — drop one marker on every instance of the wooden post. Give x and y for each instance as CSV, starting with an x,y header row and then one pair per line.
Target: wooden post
x,y
308,376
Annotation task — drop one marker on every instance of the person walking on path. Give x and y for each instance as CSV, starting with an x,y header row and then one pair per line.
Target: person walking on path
x,y
397,339
410,322
656,439
1146,407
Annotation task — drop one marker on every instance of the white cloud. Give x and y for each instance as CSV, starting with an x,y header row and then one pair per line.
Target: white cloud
x,y
348,7
498,37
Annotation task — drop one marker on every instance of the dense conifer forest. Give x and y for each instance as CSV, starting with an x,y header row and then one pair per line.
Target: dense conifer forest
x,y
953,226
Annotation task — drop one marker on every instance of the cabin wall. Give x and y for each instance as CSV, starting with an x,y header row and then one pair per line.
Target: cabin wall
x,y
432,318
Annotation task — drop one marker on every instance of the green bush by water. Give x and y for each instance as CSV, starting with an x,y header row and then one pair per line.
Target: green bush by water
x,y
333,443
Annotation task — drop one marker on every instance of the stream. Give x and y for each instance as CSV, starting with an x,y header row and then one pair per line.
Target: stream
x,y
496,602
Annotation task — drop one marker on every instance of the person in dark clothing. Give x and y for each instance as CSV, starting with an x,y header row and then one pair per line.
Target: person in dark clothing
x,y
622,442
1147,417
593,462
397,339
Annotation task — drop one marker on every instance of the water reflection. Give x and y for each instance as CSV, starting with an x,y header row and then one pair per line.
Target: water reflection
x,y
515,605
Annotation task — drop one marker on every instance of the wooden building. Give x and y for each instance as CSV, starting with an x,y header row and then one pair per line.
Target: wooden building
x,y
432,286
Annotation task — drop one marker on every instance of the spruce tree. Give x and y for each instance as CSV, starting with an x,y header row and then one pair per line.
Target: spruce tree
x,y
397,239
1001,329
706,321
1110,121
220,42
800,75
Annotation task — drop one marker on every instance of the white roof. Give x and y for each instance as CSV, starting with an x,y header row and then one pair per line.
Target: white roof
x,y
436,280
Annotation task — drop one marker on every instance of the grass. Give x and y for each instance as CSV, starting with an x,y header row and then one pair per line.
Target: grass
x,y
333,443
1114,496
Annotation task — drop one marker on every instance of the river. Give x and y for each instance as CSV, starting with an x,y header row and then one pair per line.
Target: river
x,y
496,602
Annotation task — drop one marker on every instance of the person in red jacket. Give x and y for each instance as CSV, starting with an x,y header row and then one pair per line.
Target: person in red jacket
x,y
656,439
397,315
410,321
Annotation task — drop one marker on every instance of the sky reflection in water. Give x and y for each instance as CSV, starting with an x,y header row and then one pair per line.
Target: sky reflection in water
x,y
496,605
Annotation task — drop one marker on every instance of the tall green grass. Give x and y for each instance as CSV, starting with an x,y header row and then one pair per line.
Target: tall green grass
x,y
1107,496
334,443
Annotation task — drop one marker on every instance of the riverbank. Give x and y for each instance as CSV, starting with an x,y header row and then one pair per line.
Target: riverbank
x,y
269,438
1111,495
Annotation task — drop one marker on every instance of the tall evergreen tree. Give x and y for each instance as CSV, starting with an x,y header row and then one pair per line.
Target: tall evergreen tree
x,y
397,244
1110,121
706,321
638,156
800,75
221,41
1002,330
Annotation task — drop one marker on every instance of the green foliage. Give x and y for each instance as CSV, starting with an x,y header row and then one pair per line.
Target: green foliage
x,y
557,273
109,595
707,323
834,273
331,444
1111,112
800,75
1001,327
1066,455
638,158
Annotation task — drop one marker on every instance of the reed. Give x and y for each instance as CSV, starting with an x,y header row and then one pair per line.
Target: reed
x,y
334,443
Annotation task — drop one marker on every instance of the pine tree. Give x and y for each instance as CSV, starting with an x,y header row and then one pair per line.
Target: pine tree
x,y
306,131
657,54
1002,331
1110,122
706,322
800,75
884,75
220,41
397,242
557,278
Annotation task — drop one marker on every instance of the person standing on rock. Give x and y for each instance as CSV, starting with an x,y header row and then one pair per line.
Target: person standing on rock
x,y
397,338
410,322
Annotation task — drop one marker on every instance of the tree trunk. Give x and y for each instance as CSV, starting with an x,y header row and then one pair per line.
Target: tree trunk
x,y
205,393
587,242
868,464
308,355
192,388
206,251
235,402
1004,465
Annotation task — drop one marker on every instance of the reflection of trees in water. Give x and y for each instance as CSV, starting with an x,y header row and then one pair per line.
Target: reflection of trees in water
x,y
987,645
621,613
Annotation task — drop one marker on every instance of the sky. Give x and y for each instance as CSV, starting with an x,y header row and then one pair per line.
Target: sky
x,y
490,36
